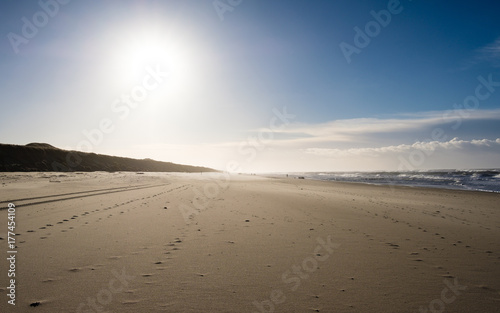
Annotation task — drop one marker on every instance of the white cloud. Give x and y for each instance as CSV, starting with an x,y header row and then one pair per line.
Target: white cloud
x,y
366,131
433,146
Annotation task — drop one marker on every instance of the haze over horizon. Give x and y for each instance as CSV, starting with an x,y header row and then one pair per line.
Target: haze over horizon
x,y
271,86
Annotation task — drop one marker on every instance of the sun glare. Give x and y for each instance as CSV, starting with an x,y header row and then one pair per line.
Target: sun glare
x,y
139,50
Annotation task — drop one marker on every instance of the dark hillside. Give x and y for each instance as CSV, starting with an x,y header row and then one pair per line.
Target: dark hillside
x,y
42,157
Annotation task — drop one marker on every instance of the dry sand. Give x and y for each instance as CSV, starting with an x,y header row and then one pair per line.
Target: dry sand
x,y
124,242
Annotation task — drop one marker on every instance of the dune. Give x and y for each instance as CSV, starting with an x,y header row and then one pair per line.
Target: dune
x,y
44,157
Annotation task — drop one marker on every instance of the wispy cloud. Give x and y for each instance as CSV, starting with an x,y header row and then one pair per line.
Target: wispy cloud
x,y
491,53
363,131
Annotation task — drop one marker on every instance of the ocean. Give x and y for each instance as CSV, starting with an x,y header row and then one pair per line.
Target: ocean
x,y
477,179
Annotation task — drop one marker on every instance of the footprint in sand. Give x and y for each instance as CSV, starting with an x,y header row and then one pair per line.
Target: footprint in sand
x,y
395,246
48,280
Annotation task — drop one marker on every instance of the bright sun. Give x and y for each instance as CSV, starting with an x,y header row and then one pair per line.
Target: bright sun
x,y
139,49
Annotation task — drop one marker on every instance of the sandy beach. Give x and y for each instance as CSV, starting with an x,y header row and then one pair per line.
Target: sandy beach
x,y
160,242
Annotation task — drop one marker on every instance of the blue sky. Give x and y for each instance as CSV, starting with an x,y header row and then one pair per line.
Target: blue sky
x,y
218,71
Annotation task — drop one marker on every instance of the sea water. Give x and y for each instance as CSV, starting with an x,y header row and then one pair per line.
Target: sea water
x,y
473,179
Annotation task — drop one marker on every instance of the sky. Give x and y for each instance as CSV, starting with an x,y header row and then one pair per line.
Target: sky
x,y
257,85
